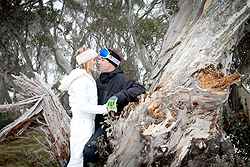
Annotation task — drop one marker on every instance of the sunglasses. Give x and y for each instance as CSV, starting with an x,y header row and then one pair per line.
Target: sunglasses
x,y
105,54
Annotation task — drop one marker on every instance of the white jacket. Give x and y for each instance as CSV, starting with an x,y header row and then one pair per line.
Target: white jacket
x,y
83,102
82,90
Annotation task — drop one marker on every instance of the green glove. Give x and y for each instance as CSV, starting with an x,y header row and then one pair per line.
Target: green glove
x,y
112,104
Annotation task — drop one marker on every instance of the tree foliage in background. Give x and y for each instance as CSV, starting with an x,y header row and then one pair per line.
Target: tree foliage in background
x,y
236,117
40,37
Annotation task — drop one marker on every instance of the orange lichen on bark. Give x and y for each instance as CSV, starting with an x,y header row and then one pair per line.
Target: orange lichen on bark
x,y
154,110
174,114
210,78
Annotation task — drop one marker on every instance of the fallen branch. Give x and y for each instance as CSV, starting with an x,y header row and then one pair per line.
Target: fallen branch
x,y
20,123
18,105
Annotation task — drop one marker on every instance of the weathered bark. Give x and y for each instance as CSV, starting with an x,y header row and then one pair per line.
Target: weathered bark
x,y
56,125
18,105
20,124
177,124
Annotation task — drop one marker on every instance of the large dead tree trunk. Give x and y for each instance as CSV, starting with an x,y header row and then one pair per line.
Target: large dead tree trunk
x,y
177,123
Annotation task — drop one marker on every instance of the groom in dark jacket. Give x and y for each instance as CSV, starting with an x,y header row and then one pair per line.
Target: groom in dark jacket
x,y
112,84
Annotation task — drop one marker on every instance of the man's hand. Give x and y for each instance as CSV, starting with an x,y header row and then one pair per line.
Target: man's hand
x,y
112,104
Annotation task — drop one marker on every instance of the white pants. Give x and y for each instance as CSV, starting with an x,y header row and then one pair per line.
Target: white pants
x,y
80,132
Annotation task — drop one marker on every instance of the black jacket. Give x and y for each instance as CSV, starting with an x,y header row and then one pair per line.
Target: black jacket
x,y
116,84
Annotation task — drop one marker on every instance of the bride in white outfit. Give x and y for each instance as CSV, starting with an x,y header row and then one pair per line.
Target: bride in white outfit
x,y
82,90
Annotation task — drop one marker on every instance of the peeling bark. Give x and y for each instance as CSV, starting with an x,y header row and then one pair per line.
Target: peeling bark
x,y
18,105
20,124
56,125
178,122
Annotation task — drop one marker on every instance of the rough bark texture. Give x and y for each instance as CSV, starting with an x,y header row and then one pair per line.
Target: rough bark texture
x,y
56,125
177,123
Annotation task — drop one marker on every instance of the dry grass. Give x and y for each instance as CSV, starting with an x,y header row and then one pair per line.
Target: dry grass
x,y
25,152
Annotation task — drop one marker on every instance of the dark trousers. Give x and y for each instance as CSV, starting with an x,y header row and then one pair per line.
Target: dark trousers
x,y
90,149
